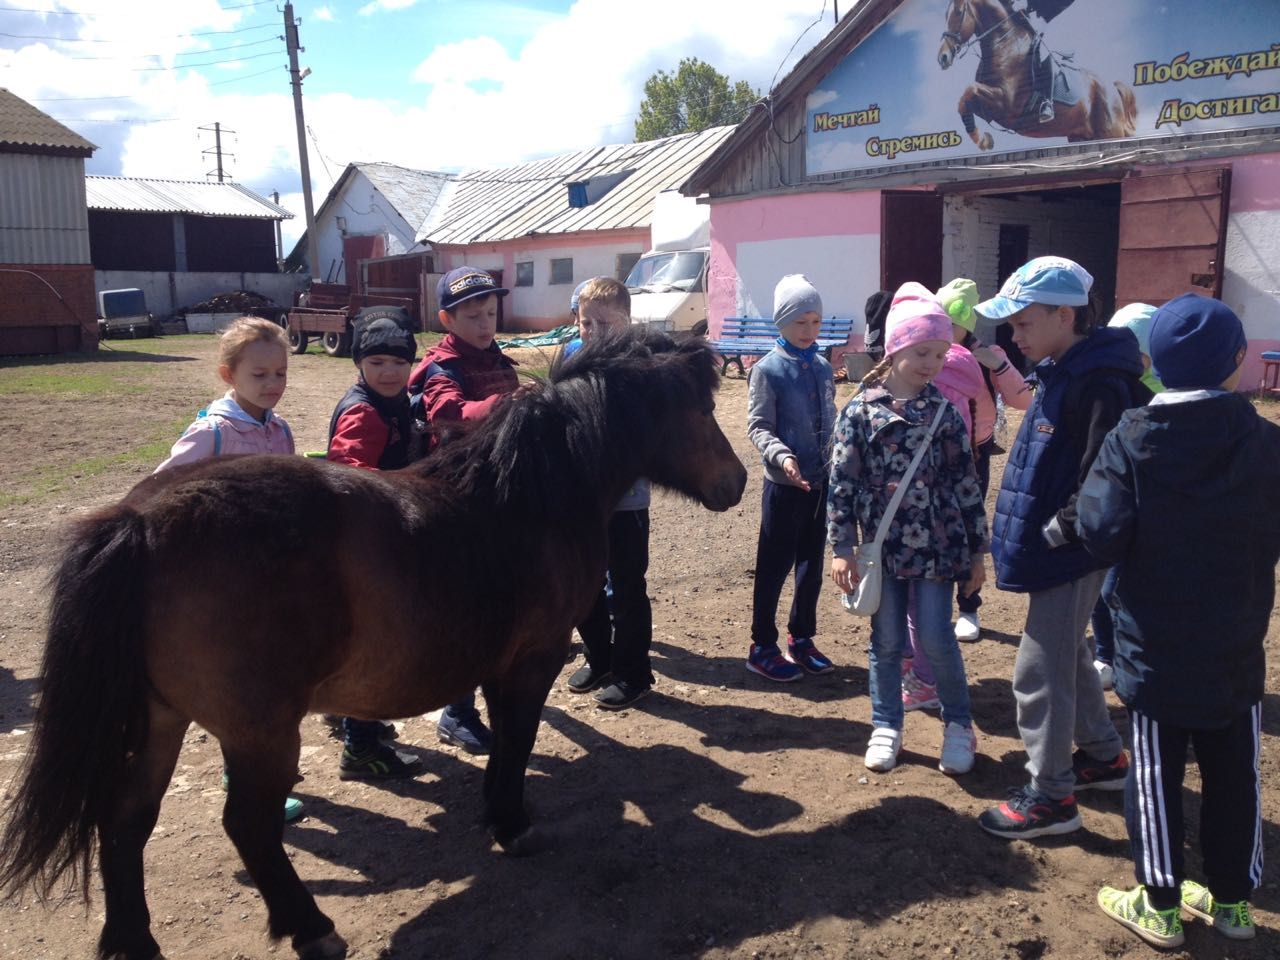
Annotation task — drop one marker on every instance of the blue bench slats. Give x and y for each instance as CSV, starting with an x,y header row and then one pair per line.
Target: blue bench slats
x,y
755,336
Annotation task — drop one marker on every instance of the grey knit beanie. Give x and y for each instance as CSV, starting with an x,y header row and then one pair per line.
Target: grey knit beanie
x,y
793,296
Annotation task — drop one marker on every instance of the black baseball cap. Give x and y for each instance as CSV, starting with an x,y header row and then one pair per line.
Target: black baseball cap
x,y
464,283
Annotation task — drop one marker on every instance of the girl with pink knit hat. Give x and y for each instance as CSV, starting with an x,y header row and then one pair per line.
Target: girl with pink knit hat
x,y
938,534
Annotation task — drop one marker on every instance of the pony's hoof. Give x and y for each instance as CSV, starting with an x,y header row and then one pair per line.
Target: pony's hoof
x,y
525,844
329,947
986,143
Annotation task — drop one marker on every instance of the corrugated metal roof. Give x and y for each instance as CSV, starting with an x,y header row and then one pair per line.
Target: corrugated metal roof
x,y
22,125
197,197
412,192
485,206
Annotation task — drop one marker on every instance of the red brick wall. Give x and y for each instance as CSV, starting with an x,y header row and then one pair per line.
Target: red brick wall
x,y
32,317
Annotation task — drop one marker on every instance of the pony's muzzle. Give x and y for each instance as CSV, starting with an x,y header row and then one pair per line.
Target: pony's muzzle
x,y
727,492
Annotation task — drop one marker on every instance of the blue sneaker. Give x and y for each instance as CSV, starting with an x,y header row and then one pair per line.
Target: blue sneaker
x,y
769,663
802,652
464,729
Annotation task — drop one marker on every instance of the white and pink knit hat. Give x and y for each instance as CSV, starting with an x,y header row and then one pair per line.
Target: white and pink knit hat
x,y
915,316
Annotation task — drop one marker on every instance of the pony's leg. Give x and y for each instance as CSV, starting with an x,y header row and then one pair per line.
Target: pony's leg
x,y
515,709
981,100
260,770
126,934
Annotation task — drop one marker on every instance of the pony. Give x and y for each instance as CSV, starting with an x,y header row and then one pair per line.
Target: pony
x,y
244,592
1003,93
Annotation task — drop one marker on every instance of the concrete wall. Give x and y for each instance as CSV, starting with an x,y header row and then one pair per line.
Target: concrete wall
x,y
832,238
545,305
168,292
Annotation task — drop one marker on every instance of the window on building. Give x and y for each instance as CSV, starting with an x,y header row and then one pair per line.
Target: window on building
x,y
524,273
562,270
622,265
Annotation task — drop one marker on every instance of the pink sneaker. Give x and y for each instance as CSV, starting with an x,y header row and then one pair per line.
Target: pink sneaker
x,y
918,695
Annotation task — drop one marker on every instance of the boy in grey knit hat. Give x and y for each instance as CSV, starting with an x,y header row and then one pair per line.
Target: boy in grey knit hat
x,y
790,413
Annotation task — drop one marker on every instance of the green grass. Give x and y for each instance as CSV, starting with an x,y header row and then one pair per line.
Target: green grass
x,y
112,371
49,480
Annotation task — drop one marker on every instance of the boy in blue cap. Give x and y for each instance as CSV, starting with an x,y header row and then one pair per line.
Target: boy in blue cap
x,y
1196,469
1084,379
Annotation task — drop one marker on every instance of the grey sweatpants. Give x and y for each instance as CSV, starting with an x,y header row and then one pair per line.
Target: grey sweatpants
x,y
1058,691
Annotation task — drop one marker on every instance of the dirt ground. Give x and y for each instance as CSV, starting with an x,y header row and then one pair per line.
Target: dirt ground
x,y
721,817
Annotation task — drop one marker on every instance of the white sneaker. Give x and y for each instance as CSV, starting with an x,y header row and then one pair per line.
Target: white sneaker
x,y
958,747
968,629
1105,673
882,749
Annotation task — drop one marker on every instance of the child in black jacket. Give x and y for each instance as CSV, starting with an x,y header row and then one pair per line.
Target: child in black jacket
x,y
1184,497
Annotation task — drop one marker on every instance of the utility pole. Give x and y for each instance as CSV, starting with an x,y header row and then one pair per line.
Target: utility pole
x,y
291,44
217,149
275,198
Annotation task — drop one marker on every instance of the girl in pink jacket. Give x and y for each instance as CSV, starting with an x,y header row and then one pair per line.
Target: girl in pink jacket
x,y
253,360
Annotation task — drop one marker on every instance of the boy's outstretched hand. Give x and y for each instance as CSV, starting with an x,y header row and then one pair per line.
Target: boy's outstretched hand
x,y
792,469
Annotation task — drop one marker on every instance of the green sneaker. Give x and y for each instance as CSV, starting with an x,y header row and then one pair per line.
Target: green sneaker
x,y
1230,919
1131,908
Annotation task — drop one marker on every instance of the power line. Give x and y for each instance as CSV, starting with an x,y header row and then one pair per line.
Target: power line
x,y
81,13
187,53
180,36
204,63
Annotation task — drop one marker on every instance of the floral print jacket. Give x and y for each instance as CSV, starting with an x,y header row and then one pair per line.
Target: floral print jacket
x,y
940,523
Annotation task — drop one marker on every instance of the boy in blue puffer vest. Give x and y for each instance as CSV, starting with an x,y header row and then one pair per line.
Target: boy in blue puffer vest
x,y
1196,471
1085,379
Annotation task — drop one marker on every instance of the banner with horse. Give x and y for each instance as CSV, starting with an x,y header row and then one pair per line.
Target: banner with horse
x,y
945,79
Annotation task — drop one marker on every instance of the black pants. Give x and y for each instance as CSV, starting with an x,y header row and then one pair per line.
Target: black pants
x,y
1230,811
619,629
982,461
793,533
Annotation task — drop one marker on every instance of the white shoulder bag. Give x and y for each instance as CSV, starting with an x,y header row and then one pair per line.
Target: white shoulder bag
x,y
865,600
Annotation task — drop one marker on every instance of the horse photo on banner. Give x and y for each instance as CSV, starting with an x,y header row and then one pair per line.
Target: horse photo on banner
x,y
945,79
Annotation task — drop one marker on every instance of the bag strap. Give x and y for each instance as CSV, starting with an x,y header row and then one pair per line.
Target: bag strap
x,y
882,530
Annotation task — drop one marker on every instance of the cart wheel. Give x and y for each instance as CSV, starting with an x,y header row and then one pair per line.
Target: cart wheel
x,y
337,344
297,340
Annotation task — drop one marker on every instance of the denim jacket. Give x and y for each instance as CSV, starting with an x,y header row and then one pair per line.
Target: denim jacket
x,y
940,523
791,408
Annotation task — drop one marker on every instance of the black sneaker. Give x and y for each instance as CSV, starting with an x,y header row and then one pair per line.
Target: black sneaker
x,y
465,730
386,731
585,678
378,763
621,694
1028,814
1098,774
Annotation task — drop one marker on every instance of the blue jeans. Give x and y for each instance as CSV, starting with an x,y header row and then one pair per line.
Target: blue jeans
x,y
933,626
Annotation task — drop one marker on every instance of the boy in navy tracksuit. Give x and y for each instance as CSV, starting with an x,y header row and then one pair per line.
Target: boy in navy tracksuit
x,y
1184,498
1085,378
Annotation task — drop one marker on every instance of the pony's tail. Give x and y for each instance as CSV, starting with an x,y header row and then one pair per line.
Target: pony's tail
x,y
92,710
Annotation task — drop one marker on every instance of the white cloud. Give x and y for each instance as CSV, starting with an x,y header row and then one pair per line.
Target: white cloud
x,y
324,13
577,81
820,98
372,8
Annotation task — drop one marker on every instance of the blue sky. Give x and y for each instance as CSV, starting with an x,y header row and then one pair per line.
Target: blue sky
x,y
429,84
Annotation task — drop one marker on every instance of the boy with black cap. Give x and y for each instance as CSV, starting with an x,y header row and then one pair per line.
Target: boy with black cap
x,y
1194,474
1084,379
371,429
462,378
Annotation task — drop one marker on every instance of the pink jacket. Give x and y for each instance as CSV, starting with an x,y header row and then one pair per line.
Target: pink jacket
x,y
1011,386
225,429
960,381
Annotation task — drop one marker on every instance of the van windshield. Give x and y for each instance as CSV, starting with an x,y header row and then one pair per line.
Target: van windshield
x,y
663,272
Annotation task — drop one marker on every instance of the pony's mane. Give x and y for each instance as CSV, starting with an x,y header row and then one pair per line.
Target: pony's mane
x,y
552,445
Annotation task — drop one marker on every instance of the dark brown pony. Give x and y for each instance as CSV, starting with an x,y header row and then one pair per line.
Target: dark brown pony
x,y
1002,89
243,593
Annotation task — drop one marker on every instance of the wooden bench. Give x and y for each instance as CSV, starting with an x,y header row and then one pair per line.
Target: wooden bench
x,y
755,336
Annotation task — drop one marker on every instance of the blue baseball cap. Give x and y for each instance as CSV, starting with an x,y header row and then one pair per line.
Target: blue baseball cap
x,y
1055,281
577,292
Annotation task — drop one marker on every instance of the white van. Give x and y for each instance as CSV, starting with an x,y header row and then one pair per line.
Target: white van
x,y
668,285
